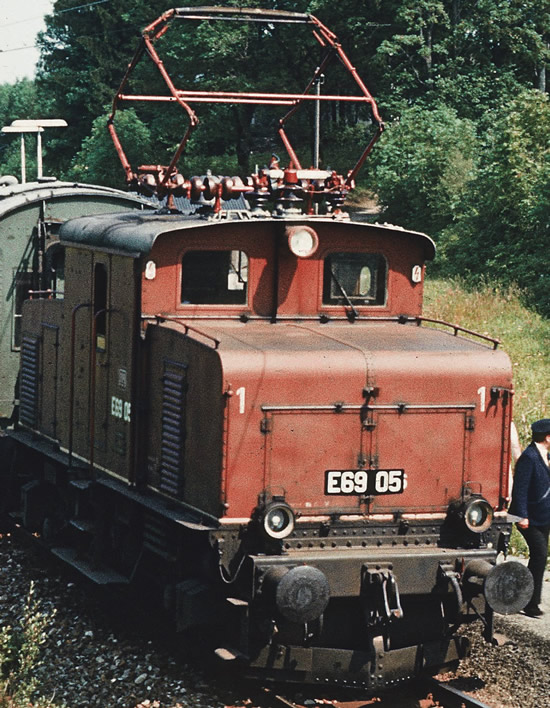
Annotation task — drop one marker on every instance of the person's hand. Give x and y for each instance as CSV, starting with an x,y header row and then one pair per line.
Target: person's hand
x,y
523,524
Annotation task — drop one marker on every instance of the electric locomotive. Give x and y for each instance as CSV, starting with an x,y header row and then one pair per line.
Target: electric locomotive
x,y
244,413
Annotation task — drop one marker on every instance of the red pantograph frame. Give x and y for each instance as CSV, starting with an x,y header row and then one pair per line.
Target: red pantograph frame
x,y
325,37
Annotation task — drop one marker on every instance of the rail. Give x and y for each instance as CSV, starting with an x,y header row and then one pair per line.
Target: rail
x,y
342,407
187,327
48,294
428,693
457,329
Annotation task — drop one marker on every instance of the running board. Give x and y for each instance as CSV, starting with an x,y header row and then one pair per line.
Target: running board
x,y
100,575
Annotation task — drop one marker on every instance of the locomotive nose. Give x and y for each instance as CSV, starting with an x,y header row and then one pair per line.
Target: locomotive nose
x,y
300,595
507,587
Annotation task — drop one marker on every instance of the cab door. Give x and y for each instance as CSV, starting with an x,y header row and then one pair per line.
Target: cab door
x,y
113,351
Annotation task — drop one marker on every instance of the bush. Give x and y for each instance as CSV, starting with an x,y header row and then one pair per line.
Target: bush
x,y
97,161
422,167
503,231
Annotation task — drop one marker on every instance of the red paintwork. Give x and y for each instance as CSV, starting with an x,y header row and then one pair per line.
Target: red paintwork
x,y
300,280
177,426
320,365
306,363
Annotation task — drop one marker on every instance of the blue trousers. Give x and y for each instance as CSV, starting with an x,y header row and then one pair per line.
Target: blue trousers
x,y
537,540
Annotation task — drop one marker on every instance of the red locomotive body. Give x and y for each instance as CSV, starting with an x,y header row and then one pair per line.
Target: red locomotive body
x,y
320,474
246,413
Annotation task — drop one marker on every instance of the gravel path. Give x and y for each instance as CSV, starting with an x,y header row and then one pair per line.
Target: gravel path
x,y
93,657
515,674
98,658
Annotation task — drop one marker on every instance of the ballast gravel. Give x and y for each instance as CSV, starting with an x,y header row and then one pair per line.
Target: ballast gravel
x,y
96,655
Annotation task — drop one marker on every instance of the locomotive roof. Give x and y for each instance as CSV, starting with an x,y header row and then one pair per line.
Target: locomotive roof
x,y
135,233
16,196
338,336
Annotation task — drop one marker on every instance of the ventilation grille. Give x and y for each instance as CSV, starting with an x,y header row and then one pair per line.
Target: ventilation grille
x,y
157,537
28,383
173,430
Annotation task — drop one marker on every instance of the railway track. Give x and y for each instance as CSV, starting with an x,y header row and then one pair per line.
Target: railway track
x,y
419,694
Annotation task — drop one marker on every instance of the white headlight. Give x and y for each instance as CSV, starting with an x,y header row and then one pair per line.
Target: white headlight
x,y
478,515
278,520
302,241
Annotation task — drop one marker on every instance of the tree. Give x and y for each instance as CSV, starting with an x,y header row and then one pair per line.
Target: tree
x,y
503,229
423,167
466,53
17,101
471,55
97,161
463,157
83,54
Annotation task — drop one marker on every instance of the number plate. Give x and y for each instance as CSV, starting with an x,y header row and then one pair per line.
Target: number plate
x,y
367,482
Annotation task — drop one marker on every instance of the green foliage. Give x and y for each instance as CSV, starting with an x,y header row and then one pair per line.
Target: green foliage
x,y
422,168
517,545
503,227
419,45
20,654
84,53
97,161
465,156
471,54
17,101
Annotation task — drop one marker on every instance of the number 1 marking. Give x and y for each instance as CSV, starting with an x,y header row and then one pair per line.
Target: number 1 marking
x,y
241,393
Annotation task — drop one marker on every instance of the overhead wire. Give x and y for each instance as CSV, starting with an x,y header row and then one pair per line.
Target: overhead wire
x,y
56,12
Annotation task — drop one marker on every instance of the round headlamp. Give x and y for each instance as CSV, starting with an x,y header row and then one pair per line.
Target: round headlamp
x,y
302,241
478,515
278,520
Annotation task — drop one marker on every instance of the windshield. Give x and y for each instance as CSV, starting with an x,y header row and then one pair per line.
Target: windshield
x,y
214,278
354,278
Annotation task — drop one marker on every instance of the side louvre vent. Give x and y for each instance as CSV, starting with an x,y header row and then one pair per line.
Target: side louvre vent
x,y
174,387
157,537
28,382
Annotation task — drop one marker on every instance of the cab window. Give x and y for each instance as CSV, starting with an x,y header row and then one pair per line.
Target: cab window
x,y
214,278
23,282
359,278
100,305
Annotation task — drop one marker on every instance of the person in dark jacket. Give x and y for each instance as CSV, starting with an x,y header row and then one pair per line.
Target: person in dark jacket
x,y
531,503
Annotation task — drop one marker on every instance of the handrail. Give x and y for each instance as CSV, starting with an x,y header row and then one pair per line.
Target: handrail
x,y
49,293
187,327
458,328
75,309
401,319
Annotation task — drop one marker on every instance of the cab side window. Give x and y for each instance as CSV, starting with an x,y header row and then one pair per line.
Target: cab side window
x,y
22,283
214,278
100,305
357,277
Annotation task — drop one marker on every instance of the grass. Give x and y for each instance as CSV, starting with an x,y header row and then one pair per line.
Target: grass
x,y
524,335
20,646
